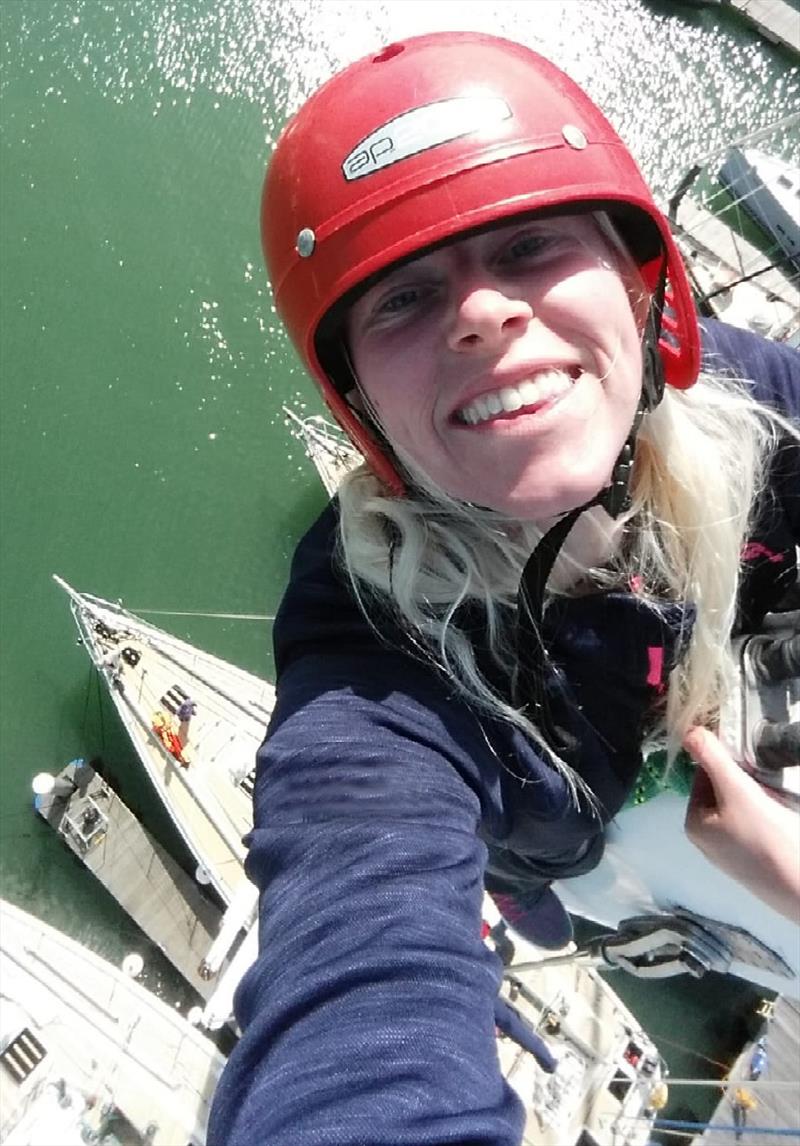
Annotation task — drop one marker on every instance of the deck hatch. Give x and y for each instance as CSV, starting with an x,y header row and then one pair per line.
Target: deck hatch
x,y
22,1055
248,784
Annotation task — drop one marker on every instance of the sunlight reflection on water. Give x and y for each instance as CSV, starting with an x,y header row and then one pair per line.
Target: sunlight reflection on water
x,y
677,83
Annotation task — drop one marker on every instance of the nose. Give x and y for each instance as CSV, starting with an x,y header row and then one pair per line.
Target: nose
x,y
485,319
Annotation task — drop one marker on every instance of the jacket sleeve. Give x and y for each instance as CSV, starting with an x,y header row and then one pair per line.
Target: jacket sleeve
x,y
369,1014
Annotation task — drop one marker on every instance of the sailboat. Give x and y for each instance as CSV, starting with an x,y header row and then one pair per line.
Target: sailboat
x,y
604,1069
87,1054
768,188
196,722
747,276
596,1076
332,454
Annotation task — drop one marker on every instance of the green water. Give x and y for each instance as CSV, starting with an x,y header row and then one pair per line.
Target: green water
x,y
144,454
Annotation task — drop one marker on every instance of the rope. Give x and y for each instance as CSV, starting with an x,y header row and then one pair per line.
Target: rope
x,y
689,1050
100,711
89,682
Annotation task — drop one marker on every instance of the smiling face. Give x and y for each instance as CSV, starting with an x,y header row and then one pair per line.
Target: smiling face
x,y
507,365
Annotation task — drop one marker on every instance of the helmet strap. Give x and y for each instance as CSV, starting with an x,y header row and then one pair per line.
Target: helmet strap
x,y
534,667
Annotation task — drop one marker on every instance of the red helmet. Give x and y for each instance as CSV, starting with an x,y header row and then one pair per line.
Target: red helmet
x,y
429,138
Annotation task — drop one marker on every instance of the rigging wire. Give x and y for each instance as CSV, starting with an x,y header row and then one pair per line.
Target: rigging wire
x,y
214,616
709,1126
89,682
100,709
727,1084
678,1124
753,137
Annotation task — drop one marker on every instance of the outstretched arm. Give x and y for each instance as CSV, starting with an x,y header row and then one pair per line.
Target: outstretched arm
x,y
369,1013
741,827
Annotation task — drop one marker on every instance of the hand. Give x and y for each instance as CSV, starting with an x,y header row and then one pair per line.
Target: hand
x,y
741,828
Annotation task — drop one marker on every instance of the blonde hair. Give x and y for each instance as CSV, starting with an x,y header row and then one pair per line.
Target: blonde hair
x,y
702,460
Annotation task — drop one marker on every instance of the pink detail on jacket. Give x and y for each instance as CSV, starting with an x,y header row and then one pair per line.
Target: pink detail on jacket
x,y
655,657
755,549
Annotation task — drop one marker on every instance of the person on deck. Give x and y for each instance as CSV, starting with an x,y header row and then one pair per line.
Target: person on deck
x,y
742,1103
572,497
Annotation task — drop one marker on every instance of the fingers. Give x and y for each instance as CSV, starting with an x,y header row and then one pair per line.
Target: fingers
x,y
702,798
706,748
724,774
725,780
702,809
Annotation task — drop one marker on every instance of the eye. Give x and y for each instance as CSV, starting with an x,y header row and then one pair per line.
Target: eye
x,y
399,301
525,247
401,304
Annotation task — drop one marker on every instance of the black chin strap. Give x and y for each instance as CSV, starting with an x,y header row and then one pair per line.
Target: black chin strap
x,y
534,666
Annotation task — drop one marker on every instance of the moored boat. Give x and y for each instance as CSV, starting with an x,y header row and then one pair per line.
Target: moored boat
x,y
325,444
90,1055
743,274
768,189
196,722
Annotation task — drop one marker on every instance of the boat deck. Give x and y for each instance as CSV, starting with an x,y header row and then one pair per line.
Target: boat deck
x,y
152,888
87,1054
776,20
589,1030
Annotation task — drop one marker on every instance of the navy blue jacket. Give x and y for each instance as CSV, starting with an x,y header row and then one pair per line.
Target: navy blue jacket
x,y
368,1018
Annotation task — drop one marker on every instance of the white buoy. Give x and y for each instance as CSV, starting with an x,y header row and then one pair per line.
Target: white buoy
x,y
202,876
44,784
133,965
195,1016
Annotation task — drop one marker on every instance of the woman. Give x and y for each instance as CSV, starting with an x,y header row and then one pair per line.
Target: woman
x,y
535,571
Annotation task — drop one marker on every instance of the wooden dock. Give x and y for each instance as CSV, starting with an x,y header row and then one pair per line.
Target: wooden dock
x,y
152,888
776,1092
776,20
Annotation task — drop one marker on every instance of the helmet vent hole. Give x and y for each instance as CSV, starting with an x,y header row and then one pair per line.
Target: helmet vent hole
x,y
388,53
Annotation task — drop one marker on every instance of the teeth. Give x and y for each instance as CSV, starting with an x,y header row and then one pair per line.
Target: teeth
x,y
527,392
510,398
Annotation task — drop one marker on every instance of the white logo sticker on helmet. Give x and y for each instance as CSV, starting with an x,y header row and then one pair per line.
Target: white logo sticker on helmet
x,y
421,129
